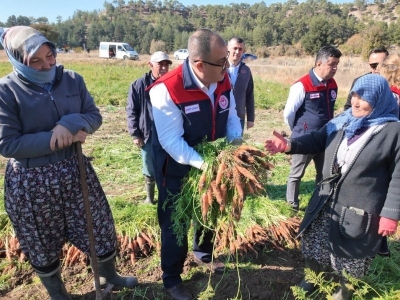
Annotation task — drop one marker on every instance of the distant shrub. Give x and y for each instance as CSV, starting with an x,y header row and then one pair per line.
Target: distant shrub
x,y
157,45
262,52
353,45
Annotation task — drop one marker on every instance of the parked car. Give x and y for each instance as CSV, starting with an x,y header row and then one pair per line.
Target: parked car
x,y
181,54
248,56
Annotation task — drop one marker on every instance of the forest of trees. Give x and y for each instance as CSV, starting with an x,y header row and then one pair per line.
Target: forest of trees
x,y
166,25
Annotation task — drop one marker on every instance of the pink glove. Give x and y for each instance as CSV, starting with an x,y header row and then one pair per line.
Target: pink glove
x,y
387,226
278,144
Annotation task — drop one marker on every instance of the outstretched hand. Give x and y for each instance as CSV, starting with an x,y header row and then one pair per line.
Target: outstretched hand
x,y
277,145
387,226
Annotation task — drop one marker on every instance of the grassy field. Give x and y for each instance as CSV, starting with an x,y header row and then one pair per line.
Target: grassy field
x,y
118,163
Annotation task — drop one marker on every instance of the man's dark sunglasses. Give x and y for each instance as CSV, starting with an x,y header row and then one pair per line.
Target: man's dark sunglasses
x,y
374,65
223,66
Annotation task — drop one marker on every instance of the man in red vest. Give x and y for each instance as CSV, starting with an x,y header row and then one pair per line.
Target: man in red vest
x,y
308,108
191,103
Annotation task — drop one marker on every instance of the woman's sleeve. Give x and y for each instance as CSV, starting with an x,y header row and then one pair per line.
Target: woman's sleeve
x,y
12,142
89,119
311,143
391,208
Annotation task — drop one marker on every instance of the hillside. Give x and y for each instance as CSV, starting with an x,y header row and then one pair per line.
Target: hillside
x,y
292,28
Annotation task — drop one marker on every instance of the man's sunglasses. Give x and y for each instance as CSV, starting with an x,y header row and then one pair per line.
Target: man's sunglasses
x,y
374,65
223,66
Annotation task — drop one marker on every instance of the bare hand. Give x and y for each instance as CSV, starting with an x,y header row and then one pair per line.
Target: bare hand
x,y
250,124
80,136
138,142
61,137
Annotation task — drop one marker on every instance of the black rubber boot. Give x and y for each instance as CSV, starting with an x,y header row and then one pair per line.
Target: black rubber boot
x,y
315,267
344,293
107,273
150,186
54,285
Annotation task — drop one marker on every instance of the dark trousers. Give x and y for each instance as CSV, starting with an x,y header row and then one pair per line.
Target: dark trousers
x,y
299,165
172,255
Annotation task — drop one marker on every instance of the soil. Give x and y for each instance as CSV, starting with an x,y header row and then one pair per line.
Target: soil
x,y
266,275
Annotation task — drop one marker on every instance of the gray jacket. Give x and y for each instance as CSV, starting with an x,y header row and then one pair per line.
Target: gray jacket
x,y
28,114
243,91
370,188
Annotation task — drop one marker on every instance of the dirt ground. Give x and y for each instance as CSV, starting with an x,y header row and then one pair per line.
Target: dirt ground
x,y
269,276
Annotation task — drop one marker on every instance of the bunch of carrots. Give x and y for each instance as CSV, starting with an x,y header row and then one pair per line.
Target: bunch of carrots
x,y
136,247
214,196
140,246
235,173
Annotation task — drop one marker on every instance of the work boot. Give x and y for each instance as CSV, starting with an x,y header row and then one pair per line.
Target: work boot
x,y
313,266
344,293
54,285
150,186
108,274
179,292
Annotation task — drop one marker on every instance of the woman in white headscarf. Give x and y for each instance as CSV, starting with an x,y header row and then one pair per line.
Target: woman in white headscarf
x,y
358,201
44,110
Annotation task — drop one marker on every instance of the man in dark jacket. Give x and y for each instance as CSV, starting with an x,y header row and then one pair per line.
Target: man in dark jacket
x,y
309,107
139,116
242,82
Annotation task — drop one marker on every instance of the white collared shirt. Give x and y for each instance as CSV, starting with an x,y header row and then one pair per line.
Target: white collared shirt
x,y
297,93
233,72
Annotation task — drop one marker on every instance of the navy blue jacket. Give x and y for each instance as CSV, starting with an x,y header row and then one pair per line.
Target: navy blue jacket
x,y
318,105
139,112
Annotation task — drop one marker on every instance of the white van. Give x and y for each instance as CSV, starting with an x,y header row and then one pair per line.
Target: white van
x,y
117,50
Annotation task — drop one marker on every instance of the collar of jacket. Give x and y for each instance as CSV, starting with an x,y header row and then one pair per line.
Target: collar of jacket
x,y
315,81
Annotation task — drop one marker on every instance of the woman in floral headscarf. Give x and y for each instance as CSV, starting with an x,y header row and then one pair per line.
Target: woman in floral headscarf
x,y
358,201
44,110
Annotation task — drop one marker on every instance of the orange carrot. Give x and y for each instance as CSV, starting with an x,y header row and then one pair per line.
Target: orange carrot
x,y
202,181
250,188
130,247
74,256
147,238
220,172
216,192
142,245
246,173
204,206
69,255
253,150
125,243
22,257
135,247
209,196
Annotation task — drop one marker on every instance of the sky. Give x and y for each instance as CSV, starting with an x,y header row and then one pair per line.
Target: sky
x,y
66,8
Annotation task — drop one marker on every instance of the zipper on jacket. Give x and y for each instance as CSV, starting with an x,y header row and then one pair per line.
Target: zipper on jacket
x,y
186,117
213,109
55,105
330,115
